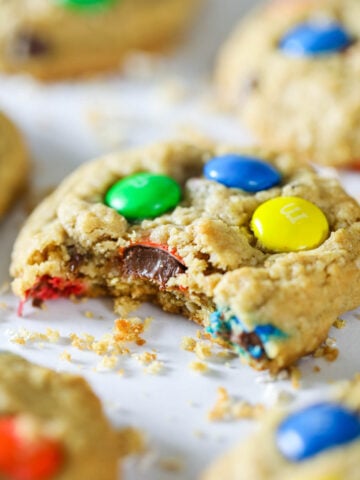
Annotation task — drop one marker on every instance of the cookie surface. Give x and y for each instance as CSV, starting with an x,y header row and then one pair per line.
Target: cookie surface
x,y
13,163
57,416
326,436
290,71
203,257
64,38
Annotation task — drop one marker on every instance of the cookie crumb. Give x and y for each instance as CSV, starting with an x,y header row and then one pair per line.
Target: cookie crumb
x,y
330,353
339,323
199,367
203,350
89,314
145,358
65,355
188,344
108,362
130,330
227,408
155,368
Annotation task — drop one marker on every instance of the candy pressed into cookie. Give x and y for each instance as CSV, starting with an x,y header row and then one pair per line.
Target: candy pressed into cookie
x,y
318,442
290,70
52,426
53,39
261,252
13,163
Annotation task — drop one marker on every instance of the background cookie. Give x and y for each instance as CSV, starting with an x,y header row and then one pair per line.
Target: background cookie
x,y
56,39
53,425
262,252
13,163
291,72
318,442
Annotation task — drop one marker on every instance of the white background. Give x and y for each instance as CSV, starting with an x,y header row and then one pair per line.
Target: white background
x,y
68,123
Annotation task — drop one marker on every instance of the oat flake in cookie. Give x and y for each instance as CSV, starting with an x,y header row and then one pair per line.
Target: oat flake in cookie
x,y
262,252
13,163
291,71
317,442
52,39
50,426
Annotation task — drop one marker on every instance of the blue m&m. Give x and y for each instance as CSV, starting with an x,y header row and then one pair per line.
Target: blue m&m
x,y
319,427
239,171
315,38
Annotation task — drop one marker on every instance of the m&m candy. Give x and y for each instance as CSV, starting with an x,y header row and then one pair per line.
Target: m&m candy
x,y
87,4
315,38
315,429
143,195
289,224
238,171
37,458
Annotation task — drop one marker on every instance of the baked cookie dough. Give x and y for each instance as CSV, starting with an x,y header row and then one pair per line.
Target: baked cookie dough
x,y
13,163
262,252
291,72
54,39
318,442
52,426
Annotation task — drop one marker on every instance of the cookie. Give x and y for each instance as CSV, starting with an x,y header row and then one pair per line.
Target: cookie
x,y
318,442
65,38
261,252
290,71
50,426
13,163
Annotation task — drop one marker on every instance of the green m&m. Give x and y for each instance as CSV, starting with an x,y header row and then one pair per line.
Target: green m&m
x,y
143,195
86,4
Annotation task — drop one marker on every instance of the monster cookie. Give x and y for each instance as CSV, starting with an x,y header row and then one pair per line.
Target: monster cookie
x,y
318,442
52,426
13,163
53,39
263,253
291,72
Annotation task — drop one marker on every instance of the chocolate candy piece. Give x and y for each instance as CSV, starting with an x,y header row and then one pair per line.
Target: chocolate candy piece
x,y
143,195
289,224
38,458
238,171
315,38
151,263
87,4
317,428
29,45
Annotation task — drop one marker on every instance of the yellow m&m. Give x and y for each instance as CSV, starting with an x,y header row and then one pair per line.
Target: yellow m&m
x,y
289,224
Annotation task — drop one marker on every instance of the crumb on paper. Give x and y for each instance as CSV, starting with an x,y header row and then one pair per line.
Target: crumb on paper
x,y
129,330
22,336
316,369
107,362
198,367
145,358
202,350
188,344
3,306
327,352
295,376
171,464
228,408
89,314
65,355
154,368
339,323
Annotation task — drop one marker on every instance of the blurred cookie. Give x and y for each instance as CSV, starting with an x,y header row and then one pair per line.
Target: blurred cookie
x,y
291,72
13,163
52,426
64,38
318,442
